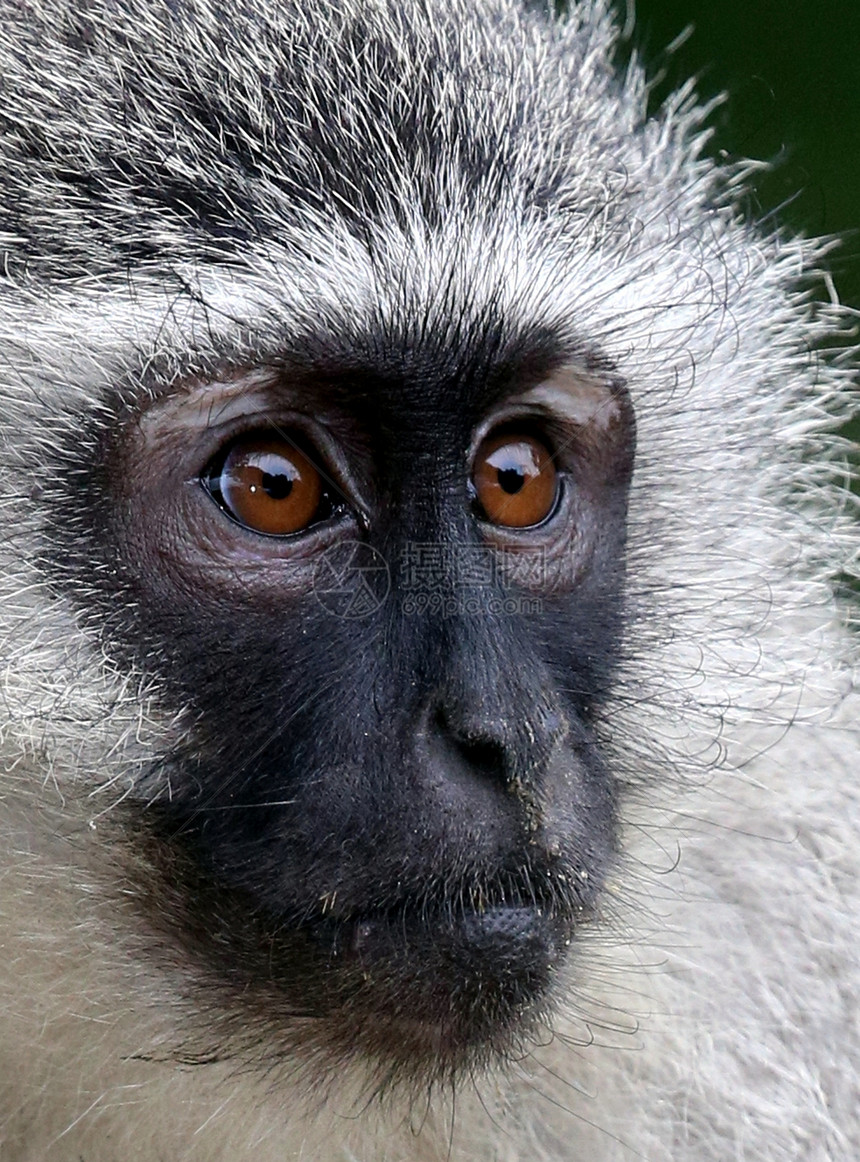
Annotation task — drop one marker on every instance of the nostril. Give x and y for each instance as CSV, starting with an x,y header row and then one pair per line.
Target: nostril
x,y
487,757
481,754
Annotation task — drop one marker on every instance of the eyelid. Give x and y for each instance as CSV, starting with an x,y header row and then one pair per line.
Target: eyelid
x,y
312,438
211,403
564,405
187,429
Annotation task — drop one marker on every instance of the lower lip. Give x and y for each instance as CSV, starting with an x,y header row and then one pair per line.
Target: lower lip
x,y
444,987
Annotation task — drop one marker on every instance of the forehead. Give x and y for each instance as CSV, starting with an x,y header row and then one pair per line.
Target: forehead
x,y
184,130
377,192
401,318
466,316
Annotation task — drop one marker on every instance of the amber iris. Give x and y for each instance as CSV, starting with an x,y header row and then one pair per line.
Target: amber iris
x,y
515,480
269,485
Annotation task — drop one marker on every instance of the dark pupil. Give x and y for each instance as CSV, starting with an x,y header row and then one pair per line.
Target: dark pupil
x,y
277,486
511,480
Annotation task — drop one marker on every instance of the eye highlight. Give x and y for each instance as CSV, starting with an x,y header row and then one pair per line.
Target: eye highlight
x,y
268,485
515,480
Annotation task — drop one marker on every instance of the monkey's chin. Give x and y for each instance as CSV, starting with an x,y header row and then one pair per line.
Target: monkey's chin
x,y
433,995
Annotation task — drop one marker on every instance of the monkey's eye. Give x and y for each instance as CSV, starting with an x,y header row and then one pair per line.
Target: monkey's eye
x,y
266,483
515,480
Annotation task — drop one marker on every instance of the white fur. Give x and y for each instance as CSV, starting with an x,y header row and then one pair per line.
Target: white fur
x,y
713,1013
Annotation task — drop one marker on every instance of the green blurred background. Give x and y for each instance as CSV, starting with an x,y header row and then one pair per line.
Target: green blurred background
x,y
792,73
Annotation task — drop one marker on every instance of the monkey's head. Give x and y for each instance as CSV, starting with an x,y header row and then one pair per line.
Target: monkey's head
x,y
347,489
330,439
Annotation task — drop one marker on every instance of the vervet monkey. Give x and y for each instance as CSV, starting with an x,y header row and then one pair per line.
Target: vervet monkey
x,y
428,727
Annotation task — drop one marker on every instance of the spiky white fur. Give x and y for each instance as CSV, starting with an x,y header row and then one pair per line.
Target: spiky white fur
x,y
714,1013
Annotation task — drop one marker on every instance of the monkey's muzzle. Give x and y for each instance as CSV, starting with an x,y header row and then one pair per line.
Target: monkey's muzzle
x,y
446,985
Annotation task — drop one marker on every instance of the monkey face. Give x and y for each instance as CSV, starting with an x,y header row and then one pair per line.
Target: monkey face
x,y
381,591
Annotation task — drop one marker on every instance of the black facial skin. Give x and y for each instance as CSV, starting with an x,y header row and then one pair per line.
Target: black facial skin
x,y
393,823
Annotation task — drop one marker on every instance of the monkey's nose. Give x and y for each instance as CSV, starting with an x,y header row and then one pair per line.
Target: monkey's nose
x,y
478,771
486,745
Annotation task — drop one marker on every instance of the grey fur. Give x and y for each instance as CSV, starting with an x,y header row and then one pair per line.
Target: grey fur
x,y
170,200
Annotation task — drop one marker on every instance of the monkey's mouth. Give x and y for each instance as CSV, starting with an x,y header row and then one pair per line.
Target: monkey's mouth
x,y
435,981
447,984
